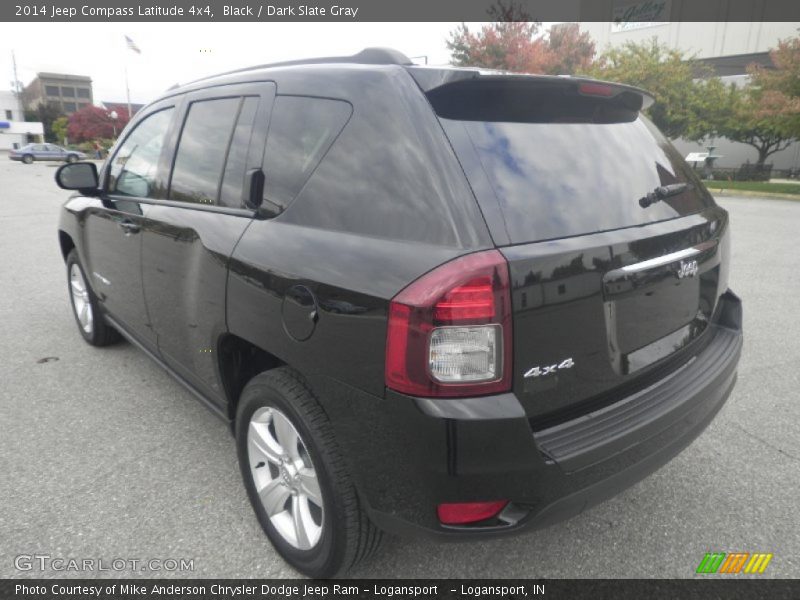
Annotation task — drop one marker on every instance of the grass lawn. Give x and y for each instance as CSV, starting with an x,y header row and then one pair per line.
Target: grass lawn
x,y
755,186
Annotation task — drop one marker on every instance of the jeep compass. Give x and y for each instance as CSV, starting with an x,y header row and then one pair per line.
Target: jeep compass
x,y
428,301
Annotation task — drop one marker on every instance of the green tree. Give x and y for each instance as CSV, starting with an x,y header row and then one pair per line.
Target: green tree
x,y
766,114
46,114
763,120
60,129
685,105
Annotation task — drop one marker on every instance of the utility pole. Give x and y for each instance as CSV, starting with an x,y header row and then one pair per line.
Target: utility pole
x,y
17,83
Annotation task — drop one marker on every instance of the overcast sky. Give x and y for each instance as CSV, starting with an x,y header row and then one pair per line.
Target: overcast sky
x,y
180,52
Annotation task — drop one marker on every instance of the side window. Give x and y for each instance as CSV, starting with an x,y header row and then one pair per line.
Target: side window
x,y
202,149
133,169
301,131
233,178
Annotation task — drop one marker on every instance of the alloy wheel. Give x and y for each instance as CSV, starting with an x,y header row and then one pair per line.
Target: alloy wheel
x,y
80,299
285,478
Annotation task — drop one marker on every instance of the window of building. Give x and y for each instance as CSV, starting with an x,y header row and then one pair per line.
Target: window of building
x,y
70,107
68,91
51,90
134,167
84,93
301,131
201,150
9,115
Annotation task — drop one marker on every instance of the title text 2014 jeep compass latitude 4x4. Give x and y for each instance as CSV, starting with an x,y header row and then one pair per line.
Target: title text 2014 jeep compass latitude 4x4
x,y
435,301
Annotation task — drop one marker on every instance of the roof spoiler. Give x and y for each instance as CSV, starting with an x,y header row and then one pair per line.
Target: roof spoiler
x,y
430,79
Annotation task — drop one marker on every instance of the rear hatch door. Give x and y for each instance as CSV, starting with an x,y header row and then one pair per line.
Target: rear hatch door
x,y
616,250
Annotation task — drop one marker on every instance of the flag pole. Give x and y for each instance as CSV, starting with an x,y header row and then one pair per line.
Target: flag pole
x,y
128,90
131,46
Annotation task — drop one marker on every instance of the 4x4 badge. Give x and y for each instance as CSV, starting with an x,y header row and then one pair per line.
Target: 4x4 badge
x,y
538,371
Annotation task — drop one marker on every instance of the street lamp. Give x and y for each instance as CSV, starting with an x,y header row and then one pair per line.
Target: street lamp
x,y
114,116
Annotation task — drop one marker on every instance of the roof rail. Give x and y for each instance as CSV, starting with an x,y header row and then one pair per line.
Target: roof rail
x,y
368,56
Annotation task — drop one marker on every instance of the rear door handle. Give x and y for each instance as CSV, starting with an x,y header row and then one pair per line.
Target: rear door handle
x,y
129,226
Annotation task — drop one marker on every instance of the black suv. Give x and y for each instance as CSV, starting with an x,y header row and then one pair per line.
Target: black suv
x,y
437,301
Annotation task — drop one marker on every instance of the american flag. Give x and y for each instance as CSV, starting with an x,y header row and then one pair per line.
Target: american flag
x,y
131,45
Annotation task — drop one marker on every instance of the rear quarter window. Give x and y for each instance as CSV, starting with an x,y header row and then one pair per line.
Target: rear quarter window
x,y
301,131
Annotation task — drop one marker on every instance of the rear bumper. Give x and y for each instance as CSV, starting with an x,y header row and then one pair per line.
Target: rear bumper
x,y
408,455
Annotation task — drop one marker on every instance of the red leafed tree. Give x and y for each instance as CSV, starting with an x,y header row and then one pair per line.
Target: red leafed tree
x,y
514,45
569,50
94,123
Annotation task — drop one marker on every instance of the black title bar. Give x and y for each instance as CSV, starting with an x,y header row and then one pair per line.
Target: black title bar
x,y
398,10
253,589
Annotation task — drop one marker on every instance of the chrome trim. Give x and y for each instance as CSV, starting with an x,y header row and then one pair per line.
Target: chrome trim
x,y
663,260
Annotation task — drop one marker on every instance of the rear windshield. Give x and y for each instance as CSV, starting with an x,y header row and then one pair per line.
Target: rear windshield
x,y
563,169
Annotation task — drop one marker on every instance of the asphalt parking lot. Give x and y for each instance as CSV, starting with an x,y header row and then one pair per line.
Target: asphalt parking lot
x,y
103,455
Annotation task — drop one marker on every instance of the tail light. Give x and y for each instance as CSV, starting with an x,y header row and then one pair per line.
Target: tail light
x,y
449,332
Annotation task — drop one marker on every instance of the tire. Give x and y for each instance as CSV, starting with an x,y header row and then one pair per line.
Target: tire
x,y
27,159
346,536
85,307
71,158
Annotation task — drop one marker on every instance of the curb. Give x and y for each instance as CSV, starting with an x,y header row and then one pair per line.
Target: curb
x,y
751,194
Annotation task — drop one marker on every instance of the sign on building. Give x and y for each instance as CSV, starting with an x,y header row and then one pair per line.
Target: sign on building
x,y
628,15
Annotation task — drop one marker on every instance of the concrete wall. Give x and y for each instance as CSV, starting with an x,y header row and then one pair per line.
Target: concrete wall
x,y
15,130
734,154
705,40
36,92
8,101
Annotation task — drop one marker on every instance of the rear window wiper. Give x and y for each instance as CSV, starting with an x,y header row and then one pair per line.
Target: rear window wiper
x,y
664,191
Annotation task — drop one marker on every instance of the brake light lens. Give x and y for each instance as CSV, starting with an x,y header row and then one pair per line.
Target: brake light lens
x,y
449,332
463,513
474,300
597,89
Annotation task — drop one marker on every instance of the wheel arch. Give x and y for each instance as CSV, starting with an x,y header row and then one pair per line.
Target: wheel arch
x,y
66,243
239,361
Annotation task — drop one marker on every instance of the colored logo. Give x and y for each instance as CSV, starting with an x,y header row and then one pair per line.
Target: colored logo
x,y
734,562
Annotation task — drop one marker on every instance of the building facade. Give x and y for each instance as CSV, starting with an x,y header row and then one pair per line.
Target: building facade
x,y
727,47
69,93
14,130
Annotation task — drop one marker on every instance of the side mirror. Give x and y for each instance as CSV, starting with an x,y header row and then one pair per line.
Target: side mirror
x,y
81,176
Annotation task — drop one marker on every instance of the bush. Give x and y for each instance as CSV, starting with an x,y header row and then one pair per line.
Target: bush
x,y
754,172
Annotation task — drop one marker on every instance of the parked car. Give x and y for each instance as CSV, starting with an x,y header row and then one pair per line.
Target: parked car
x,y
31,152
428,300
